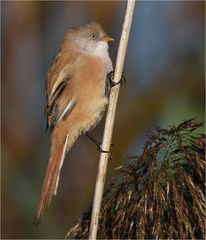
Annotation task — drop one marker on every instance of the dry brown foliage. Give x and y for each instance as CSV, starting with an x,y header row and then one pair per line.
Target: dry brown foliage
x,y
159,194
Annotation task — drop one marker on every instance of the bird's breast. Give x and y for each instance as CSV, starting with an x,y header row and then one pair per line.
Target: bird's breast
x,y
91,78
90,82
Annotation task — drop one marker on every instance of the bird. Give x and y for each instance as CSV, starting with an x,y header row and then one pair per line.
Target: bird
x,y
76,97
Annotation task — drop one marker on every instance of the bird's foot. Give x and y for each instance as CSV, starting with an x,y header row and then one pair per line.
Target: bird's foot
x,y
110,79
99,148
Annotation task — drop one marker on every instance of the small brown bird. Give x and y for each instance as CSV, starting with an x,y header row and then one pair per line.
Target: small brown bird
x,y
75,97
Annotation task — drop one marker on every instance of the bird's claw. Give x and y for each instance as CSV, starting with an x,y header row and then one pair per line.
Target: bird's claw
x,y
99,148
110,77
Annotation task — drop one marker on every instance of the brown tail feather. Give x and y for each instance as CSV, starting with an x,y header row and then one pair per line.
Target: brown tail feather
x,y
51,178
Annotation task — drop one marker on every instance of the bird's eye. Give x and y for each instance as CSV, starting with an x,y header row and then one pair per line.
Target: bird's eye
x,y
93,35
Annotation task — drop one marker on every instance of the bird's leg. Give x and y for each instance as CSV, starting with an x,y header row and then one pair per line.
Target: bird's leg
x,y
93,140
99,148
110,78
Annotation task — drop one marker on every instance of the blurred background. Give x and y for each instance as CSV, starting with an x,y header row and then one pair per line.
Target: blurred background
x,y
164,68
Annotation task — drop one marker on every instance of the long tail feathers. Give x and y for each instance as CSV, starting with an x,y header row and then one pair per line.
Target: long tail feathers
x,y
51,179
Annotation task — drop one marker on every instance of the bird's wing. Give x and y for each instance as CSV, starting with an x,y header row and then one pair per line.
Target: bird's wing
x,y
59,80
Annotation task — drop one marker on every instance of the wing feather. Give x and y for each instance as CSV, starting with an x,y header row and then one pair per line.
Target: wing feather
x,y
59,80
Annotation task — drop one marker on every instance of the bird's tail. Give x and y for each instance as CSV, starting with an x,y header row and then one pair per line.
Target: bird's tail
x,y
50,184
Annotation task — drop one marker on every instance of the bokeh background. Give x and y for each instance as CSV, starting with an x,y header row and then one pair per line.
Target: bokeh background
x,y
164,68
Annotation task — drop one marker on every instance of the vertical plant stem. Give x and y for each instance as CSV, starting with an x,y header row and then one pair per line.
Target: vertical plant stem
x,y
110,120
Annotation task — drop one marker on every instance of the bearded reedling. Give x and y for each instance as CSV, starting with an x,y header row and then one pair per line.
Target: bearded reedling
x,y
76,97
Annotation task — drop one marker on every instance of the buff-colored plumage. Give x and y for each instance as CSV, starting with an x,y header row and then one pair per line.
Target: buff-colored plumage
x,y
75,97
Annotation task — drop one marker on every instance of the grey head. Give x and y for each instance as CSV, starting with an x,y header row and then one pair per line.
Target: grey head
x,y
89,39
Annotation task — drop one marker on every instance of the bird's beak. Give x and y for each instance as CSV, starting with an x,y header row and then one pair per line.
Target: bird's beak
x,y
106,39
